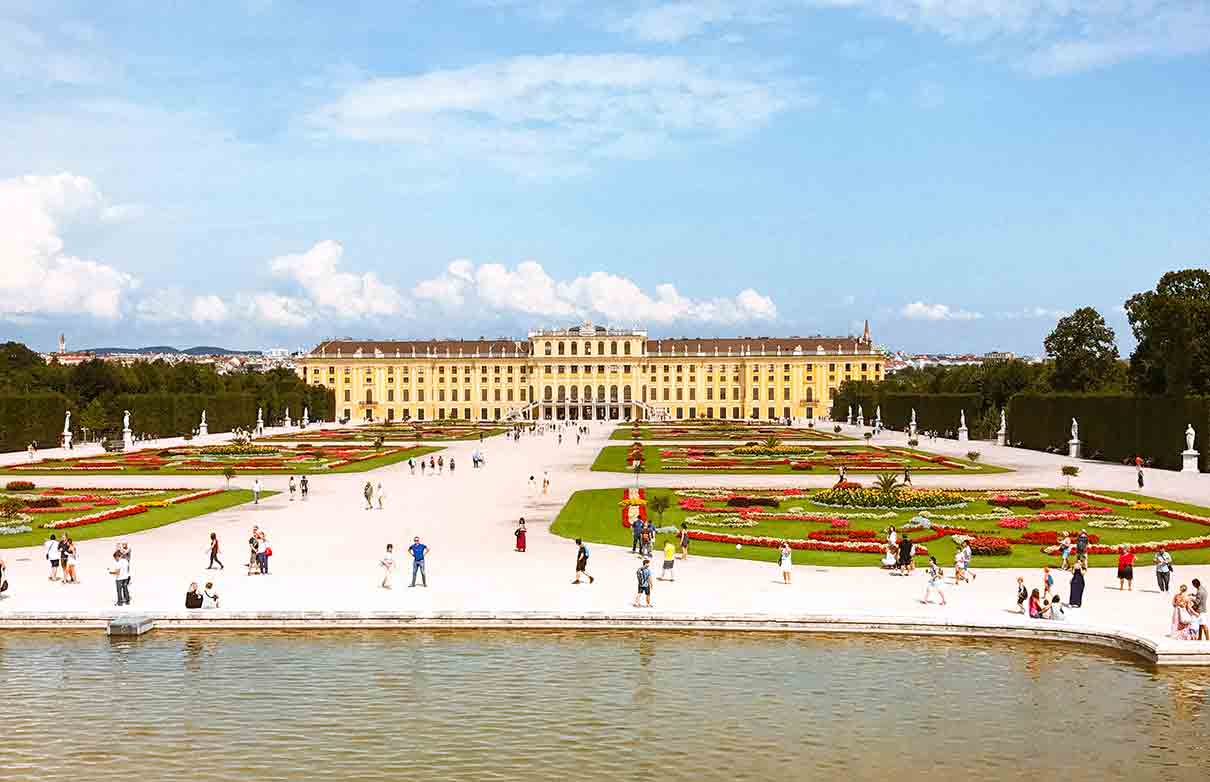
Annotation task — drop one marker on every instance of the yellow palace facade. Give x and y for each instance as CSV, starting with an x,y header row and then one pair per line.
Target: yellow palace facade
x,y
589,372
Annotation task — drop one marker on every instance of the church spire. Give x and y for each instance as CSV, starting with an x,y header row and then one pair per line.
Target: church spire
x,y
865,335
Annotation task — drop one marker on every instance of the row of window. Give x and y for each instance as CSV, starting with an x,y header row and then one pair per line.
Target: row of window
x,y
405,396
574,347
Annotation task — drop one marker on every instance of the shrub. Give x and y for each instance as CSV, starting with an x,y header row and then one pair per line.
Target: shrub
x,y
19,485
10,507
43,502
989,546
1013,502
836,429
972,456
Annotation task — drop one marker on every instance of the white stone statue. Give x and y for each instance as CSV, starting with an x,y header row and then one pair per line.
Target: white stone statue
x,y
878,413
67,423
1075,430
1190,435
125,420
913,418
260,415
306,416
1003,423
850,414
962,418
203,417
860,412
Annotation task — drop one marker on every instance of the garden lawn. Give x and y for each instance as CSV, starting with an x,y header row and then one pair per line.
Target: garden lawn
x,y
613,458
152,518
595,516
389,433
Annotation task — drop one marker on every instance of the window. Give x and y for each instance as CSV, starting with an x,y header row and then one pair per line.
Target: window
x,y
348,395
588,348
483,394
575,346
510,395
600,348
369,396
709,396
679,394
755,394
497,395
626,349
613,348
390,395
420,397
665,394
562,348
405,395
785,393
441,395
692,394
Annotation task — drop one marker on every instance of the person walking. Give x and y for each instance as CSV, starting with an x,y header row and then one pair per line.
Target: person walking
x,y
367,491
785,561
303,486
666,573
1064,549
582,562
1163,569
636,537
213,548
389,566
256,491
935,574
967,573
53,557
1125,568
70,561
1082,549
1048,582
292,488
907,476
121,578
643,576
381,495
418,551
545,482
412,465
451,465
684,540
519,534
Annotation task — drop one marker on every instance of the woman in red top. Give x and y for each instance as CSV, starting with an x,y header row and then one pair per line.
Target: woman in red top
x,y
519,533
1125,568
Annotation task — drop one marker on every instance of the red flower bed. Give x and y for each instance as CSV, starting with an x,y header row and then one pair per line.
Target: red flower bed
x,y
1182,516
1014,502
842,534
988,546
97,518
19,485
1013,522
1051,538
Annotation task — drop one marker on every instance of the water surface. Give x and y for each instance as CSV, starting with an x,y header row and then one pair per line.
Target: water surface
x,y
594,706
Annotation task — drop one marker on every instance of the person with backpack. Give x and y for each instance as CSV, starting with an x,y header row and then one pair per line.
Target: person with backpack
x,y
582,562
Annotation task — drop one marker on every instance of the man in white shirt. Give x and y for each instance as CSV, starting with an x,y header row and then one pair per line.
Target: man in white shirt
x,y
256,491
121,578
52,556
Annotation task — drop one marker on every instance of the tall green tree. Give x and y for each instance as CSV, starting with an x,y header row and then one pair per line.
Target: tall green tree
x,y
1084,350
1172,327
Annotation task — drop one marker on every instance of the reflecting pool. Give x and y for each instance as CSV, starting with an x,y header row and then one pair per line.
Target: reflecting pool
x,y
588,706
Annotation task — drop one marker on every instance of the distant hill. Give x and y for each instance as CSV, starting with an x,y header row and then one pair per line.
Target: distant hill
x,y
199,350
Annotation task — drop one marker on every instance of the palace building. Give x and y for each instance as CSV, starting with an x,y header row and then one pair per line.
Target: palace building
x,y
589,372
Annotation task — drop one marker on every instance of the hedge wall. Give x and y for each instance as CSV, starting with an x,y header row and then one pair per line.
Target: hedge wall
x,y
26,418
934,412
1112,427
174,414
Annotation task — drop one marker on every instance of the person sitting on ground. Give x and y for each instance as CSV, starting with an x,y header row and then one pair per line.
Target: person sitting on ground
x,y
1058,611
193,598
1036,609
210,597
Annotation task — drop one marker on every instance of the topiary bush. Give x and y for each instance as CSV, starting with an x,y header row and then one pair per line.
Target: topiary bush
x,y
19,485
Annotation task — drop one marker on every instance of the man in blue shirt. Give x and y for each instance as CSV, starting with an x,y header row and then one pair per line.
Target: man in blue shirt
x,y
643,575
418,550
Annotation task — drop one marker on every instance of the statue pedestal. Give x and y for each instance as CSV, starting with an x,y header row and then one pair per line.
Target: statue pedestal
x,y
963,435
860,421
1073,448
1001,438
289,423
127,439
260,428
912,432
1189,461
67,439
306,422
203,430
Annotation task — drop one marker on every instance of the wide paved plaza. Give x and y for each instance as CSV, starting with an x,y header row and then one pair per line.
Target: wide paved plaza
x,y
326,549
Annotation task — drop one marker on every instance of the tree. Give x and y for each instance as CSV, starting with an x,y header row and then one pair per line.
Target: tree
x,y
1172,327
658,503
1084,350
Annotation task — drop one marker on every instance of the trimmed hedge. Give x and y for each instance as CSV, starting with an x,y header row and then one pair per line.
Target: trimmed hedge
x,y
26,418
939,412
1112,426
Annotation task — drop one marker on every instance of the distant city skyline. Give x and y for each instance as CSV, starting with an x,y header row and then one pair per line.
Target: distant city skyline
x,y
257,174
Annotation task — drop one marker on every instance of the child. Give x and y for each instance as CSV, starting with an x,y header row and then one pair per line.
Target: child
x,y
388,565
935,574
1048,582
1022,594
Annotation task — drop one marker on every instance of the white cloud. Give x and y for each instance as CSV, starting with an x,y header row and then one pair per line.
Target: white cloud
x,y
560,111
275,310
39,277
1045,37
337,292
919,310
208,309
529,290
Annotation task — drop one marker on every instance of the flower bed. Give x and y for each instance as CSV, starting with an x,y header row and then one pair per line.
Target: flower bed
x,y
97,518
900,499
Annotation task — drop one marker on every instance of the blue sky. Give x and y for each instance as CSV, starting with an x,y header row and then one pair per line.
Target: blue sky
x,y
269,173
